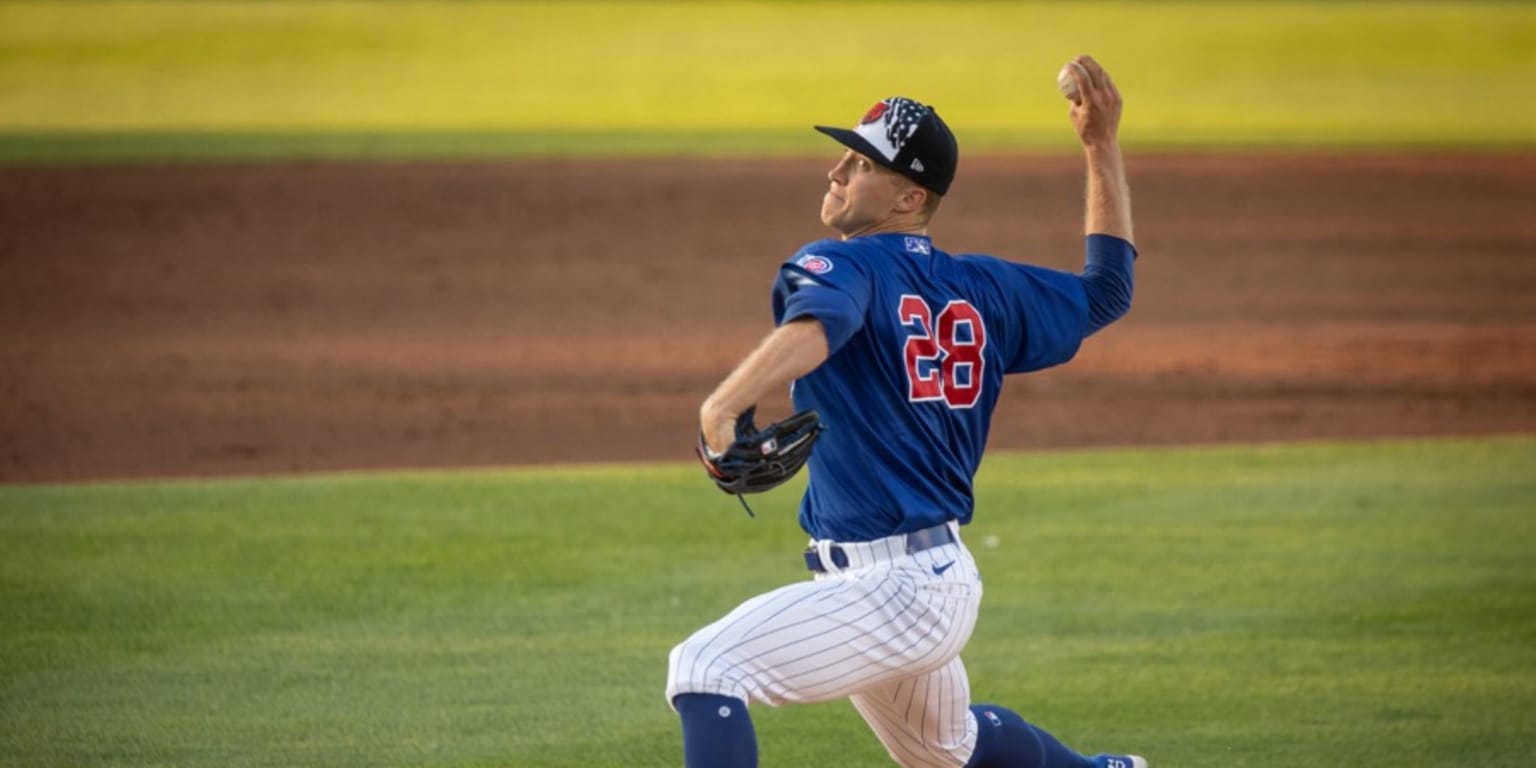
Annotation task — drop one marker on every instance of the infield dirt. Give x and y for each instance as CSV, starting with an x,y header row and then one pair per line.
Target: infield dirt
x,y
172,321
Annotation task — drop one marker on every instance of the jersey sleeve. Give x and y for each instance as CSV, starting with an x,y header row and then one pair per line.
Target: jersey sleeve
x,y
1044,310
825,280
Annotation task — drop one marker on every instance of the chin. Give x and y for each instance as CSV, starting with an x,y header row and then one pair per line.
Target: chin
x,y
829,215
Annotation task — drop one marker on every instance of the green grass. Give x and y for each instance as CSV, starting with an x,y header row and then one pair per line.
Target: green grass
x,y
1291,605
239,79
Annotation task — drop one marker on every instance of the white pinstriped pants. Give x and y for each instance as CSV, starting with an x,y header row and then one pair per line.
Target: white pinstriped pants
x,y
885,632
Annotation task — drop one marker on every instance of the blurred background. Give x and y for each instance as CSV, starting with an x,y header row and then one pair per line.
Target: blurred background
x,y
743,78
248,237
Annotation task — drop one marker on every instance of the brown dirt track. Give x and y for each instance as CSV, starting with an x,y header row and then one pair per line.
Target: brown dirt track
x,y
161,321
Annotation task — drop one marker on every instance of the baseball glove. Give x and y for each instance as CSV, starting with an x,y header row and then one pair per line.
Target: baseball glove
x,y
761,459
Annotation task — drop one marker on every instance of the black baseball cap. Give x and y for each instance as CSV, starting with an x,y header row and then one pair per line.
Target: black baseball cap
x,y
906,137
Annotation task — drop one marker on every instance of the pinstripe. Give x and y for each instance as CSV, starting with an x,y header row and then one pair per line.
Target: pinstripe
x,y
823,617
913,598
722,657
886,720
906,654
830,641
907,734
722,628
885,635
764,618
926,721
753,616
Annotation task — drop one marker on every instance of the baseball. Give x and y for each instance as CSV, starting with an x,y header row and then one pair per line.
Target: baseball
x,y
1065,83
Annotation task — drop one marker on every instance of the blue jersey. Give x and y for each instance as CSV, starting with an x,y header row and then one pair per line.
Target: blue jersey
x,y
919,342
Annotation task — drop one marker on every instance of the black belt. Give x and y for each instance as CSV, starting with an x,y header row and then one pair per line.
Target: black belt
x,y
917,541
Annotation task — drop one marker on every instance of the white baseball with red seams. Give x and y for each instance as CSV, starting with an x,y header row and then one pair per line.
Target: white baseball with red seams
x,y
1065,83
885,631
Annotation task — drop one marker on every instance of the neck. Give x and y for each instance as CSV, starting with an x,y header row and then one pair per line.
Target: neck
x,y
898,225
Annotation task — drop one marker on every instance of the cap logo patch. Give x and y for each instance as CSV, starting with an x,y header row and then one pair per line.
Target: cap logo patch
x,y
816,265
890,123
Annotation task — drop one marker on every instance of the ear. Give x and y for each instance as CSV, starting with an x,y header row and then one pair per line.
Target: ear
x,y
911,199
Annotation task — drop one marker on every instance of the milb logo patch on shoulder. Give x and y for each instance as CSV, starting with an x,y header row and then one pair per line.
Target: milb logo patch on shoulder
x,y
816,265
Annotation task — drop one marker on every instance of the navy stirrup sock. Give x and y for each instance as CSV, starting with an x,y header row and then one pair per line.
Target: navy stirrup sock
x,y
1004,740
717,731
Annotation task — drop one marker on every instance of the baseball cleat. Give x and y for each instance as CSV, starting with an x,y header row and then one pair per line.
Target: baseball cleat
x,y
1118,761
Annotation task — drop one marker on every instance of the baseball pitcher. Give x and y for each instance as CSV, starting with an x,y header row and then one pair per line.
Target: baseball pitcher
x,y
896,353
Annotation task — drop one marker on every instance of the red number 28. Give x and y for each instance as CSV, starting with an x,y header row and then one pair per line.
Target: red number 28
x,y
951,350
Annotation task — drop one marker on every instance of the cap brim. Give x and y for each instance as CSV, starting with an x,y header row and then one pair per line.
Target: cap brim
x,y
858,144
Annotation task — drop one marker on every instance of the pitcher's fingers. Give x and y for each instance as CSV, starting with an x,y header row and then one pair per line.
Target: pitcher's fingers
x,y
1109,85
1094,71
1080,76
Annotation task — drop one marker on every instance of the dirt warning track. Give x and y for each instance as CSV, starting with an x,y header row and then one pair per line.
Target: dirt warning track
x,y
172,321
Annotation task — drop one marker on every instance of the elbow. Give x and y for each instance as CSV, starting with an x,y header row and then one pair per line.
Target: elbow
x,y
1109,299
1119,307
1119,299
1108,276
1100,317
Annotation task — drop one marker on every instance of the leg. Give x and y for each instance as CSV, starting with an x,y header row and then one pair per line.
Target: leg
x,y
717,731
1004,740
928,722
814,641
827,639
923,721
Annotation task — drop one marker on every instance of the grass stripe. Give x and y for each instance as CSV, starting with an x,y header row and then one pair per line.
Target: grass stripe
x,y
1237,605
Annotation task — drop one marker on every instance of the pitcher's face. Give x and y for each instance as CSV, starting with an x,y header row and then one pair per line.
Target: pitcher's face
x,y
860,194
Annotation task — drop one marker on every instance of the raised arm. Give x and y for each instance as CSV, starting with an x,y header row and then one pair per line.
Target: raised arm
x,y
1096,116
1109,263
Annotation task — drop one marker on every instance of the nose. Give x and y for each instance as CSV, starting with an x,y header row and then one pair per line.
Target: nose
x,y
839,174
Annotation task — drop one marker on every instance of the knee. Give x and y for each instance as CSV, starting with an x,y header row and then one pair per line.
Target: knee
x,y
674,678
920,748
691,670
927,754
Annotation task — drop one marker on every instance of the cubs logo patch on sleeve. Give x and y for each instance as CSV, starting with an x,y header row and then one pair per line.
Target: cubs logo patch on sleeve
x,y
816,265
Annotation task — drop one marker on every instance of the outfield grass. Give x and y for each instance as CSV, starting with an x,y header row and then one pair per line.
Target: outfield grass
x,y
234,79
1298,605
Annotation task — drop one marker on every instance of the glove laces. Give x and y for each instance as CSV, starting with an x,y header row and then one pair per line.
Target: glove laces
x,y
743,500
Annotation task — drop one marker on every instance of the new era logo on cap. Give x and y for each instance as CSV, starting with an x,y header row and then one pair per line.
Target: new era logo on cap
x,y
907,137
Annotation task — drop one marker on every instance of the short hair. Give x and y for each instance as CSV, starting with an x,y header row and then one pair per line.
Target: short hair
x,y
931,199
931,204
